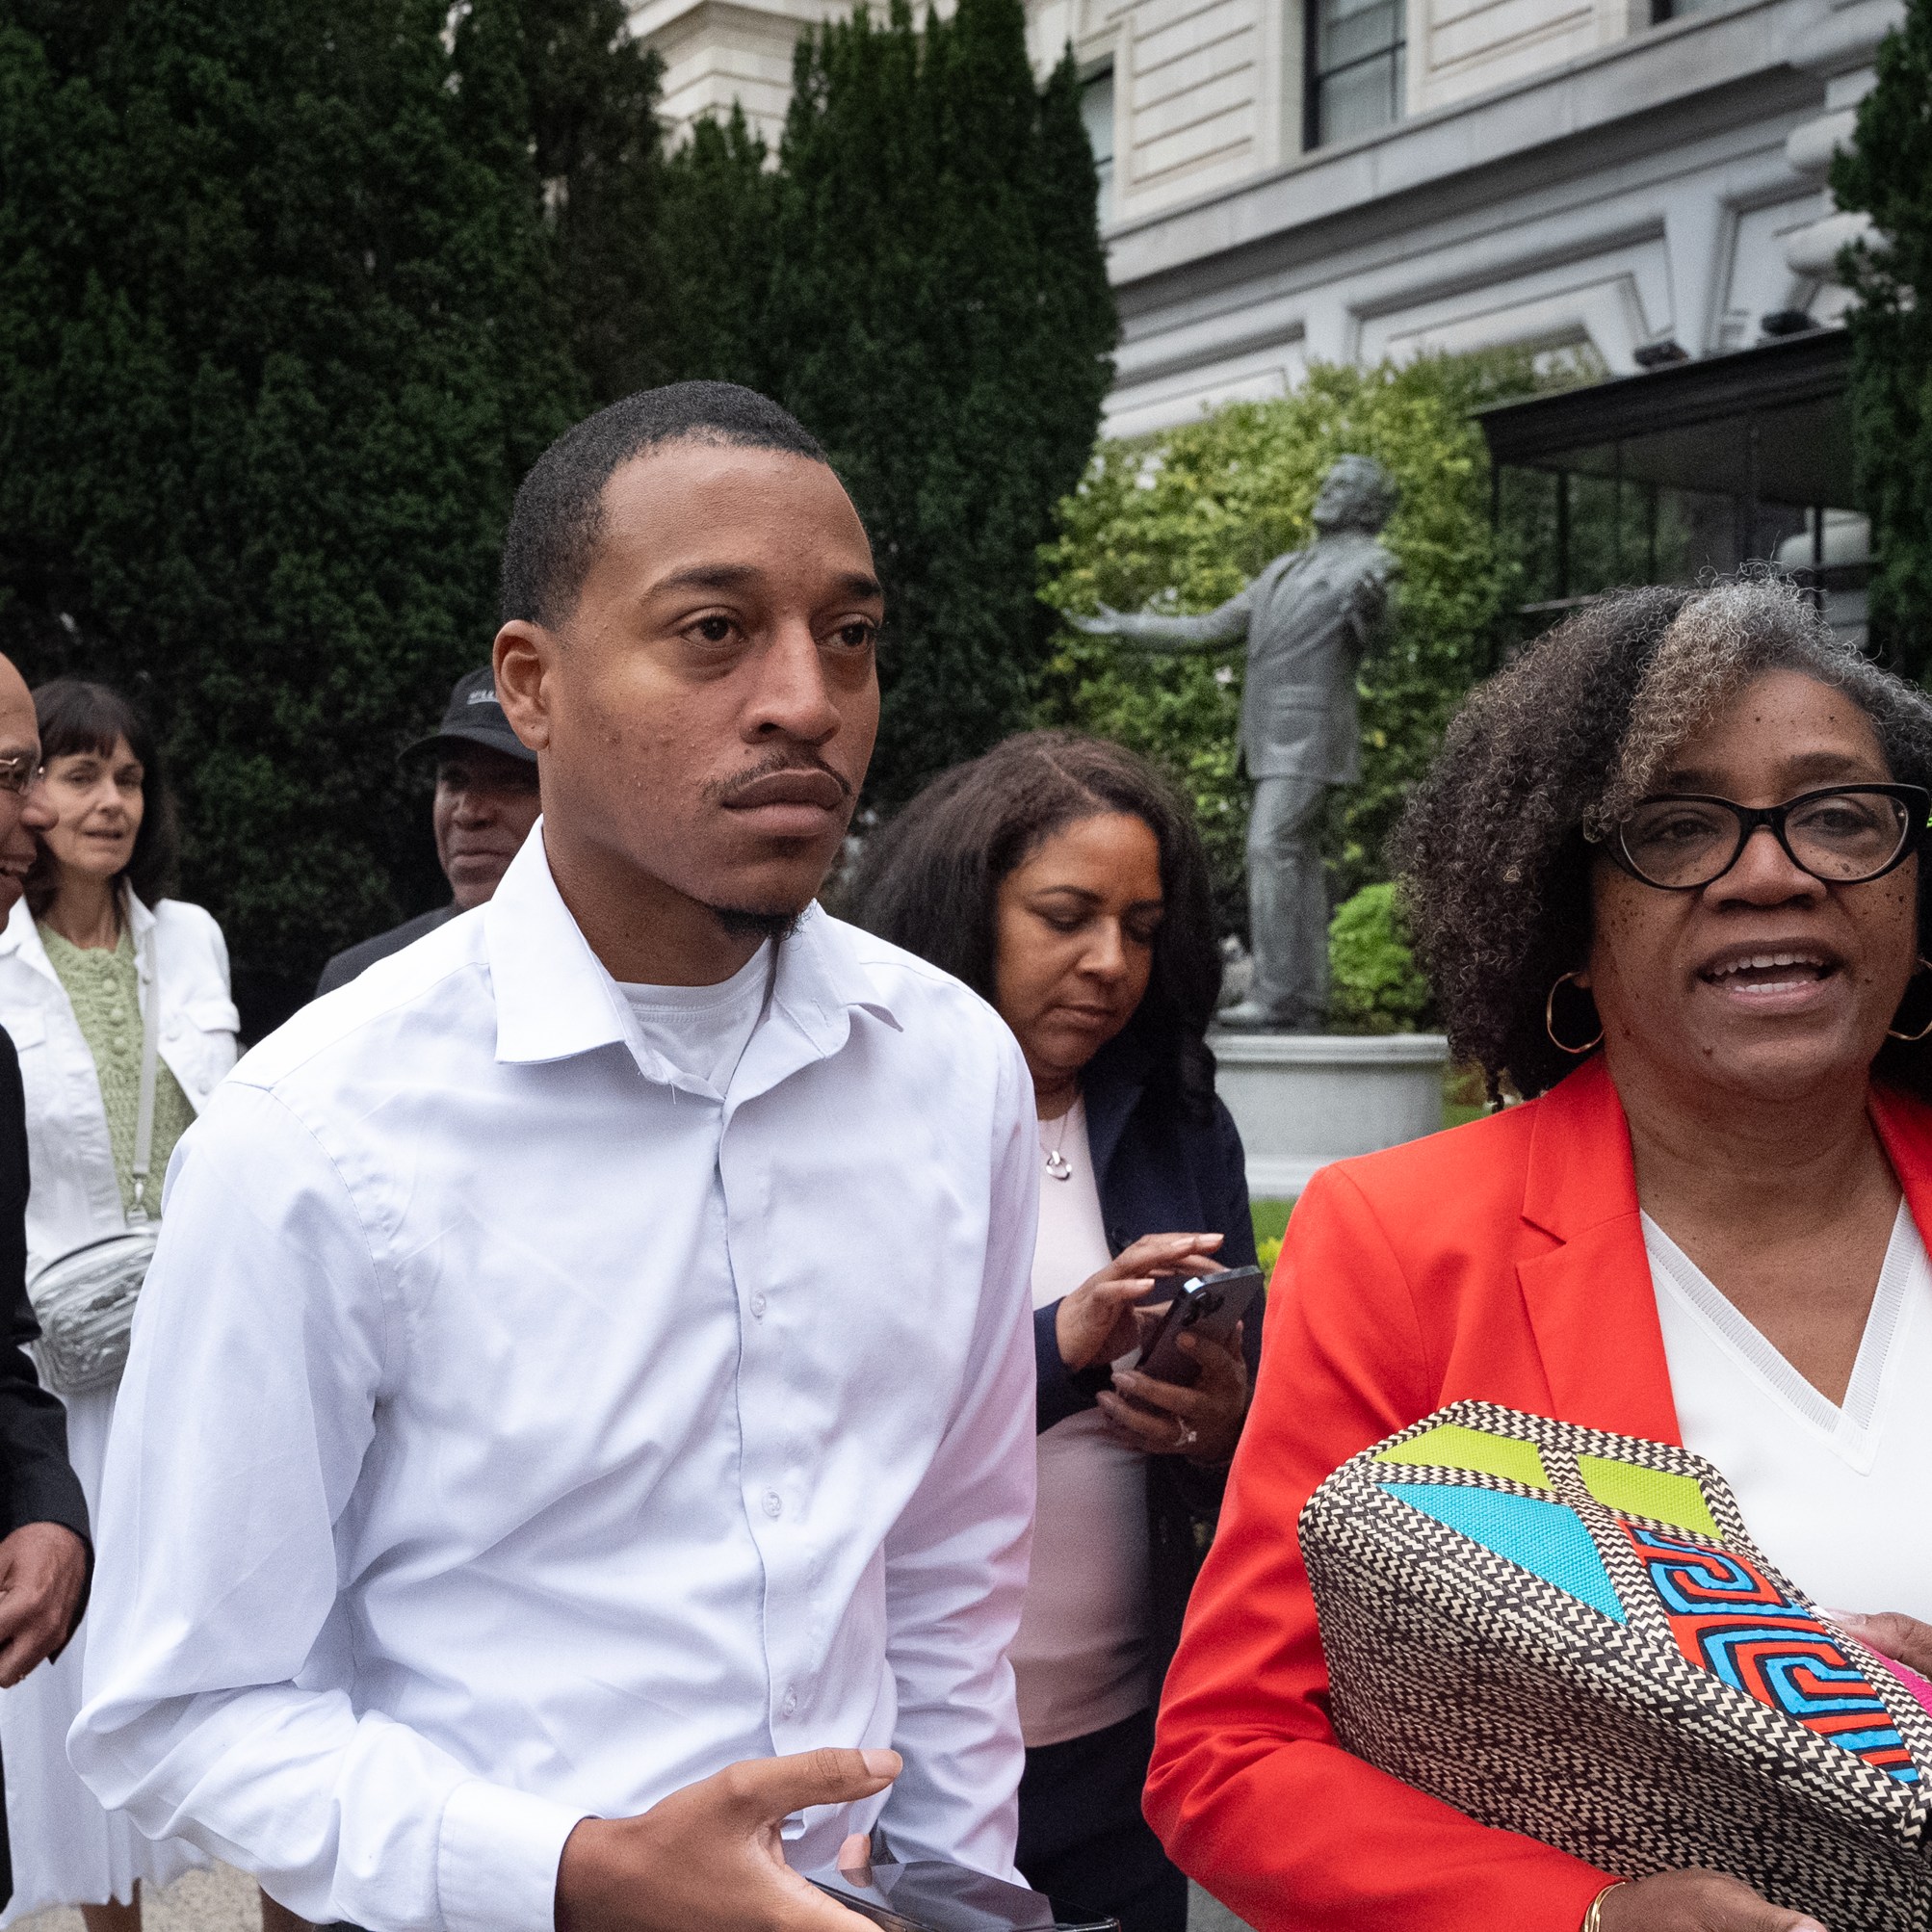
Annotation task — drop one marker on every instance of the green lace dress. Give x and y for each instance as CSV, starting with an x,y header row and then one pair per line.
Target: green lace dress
x,y
104,989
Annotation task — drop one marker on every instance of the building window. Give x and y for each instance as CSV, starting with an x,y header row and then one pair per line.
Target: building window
x,y
1096,109
1661,10
1355,68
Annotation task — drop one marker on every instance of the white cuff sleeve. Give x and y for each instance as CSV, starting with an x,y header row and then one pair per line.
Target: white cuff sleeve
x,y
497,1855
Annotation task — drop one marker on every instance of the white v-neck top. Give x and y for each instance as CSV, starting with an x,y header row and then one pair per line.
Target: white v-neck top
x,y
1838,1498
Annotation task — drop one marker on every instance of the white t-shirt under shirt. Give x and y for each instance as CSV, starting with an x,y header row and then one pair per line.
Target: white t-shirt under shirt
x,y
1081,1656
703,1030
1835,1496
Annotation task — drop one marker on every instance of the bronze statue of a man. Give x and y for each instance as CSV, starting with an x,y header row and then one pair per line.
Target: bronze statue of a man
x,y
1306,621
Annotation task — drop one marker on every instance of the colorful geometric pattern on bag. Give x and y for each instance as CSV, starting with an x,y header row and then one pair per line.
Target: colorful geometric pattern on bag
x,y
1729,1616
1571,1633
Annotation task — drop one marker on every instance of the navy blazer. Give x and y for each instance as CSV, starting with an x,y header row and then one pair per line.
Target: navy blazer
x,y
1159,1171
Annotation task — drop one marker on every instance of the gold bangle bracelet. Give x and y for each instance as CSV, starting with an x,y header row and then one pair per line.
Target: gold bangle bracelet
x,y
1593,1919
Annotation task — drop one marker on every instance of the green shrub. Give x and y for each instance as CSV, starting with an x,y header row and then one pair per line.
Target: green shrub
x,y
1374,984
1887,171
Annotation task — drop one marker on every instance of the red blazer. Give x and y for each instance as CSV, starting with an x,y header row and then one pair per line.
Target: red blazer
x,y
1505,1260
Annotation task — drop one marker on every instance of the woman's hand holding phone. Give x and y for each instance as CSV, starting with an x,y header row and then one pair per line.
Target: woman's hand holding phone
x,y
1097,1322
1203,1422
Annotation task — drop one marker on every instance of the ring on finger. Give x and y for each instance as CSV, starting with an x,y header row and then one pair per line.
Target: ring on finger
x,y
1188,1436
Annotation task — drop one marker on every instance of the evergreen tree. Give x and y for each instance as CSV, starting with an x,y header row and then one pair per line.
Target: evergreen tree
x,y
292,294
938,314
1889,174
716,239
560,95
272,360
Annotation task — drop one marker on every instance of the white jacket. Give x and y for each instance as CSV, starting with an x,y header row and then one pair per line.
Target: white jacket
x,y
75,1194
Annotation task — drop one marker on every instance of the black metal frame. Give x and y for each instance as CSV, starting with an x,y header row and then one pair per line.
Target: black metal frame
x,y
1750,385
1750,817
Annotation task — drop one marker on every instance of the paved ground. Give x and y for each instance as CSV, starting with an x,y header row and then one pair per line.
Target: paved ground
x,y
1209,1915
224,1902
219,1900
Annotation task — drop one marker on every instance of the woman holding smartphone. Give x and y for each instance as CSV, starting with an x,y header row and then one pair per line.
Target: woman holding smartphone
x,y
1061,877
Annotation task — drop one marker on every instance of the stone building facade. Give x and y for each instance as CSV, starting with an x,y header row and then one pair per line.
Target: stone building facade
x,y
1292,180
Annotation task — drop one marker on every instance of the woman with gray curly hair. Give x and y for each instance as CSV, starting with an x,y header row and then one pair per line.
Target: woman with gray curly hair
x,y
1665,876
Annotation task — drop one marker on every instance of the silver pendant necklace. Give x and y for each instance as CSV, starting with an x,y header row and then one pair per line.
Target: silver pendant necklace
x,y
1059,1167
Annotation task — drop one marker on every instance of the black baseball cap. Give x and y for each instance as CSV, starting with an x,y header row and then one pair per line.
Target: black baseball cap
x,y
474,718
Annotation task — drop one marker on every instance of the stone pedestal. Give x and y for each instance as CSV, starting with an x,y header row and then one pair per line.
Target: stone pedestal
x,y
1302,1100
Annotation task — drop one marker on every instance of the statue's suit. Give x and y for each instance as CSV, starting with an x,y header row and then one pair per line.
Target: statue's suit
x,y
1306,619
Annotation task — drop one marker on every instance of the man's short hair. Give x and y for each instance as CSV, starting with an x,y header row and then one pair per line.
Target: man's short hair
x,y
558,513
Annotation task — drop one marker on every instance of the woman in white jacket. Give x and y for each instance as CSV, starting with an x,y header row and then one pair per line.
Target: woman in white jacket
x,y
73,989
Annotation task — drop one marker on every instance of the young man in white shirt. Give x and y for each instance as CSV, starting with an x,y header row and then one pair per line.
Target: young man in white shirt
x,y
580,1418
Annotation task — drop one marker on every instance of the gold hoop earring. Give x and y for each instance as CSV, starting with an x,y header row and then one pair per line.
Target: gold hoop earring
x,y
1892,1033
1550,1022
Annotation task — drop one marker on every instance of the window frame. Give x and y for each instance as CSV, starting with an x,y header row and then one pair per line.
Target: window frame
x,y
1313,74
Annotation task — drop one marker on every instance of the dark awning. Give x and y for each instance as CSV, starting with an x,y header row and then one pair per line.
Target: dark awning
x,y
1769,424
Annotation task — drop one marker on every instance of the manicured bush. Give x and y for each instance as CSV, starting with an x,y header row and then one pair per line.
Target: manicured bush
x,y
1374,985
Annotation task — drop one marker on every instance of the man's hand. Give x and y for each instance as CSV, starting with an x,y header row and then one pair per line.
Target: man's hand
x,y
1697,1902
709,1858
43,1568
1105,624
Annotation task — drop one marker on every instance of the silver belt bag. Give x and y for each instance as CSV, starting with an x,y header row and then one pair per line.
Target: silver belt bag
x,y
83,1299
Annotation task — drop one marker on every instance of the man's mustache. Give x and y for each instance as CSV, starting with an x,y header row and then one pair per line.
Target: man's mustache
x,y
722,791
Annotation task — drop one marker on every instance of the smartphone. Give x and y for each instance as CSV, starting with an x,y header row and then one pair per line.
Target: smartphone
x,y
1210,1306
929,1895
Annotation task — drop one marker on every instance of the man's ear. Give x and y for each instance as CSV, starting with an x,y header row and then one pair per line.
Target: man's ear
x,y
523,658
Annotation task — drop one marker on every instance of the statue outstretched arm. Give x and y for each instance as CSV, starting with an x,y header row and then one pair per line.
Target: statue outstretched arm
x,y
1151,631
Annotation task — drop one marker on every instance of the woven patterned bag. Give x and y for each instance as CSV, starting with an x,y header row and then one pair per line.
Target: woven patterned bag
x,y
1571,1634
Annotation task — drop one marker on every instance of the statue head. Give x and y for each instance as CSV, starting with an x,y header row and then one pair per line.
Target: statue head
x,y
1356,494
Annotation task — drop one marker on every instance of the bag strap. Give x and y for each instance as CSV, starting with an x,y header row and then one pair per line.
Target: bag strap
x,y
150,1071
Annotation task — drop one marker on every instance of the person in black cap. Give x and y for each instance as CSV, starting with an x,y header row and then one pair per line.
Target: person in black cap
x,y
486,806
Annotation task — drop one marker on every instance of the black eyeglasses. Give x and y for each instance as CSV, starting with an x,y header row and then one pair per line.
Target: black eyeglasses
x,y
1845,834
17,771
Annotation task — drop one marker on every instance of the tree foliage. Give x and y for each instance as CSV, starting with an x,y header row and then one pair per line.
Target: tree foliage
x,y
1180,520
1887,174
276,343
292,294
938,315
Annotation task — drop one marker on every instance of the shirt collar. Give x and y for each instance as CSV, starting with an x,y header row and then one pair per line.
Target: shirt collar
x,y
556,999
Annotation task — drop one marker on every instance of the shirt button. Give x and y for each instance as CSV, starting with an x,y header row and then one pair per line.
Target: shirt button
x,y
790,1702
773,1502
758,1308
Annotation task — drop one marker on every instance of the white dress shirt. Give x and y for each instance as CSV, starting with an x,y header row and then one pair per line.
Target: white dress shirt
x,y
1834,1493
515,1432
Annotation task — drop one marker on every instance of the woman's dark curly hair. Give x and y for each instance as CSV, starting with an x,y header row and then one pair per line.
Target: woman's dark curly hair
x,y
1494,848
929,882
75,715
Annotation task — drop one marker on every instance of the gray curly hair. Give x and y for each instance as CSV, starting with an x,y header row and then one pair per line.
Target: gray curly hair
x,y
1493,851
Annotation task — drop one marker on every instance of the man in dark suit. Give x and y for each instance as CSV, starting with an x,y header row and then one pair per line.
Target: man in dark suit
x,y
486,806
45,1558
